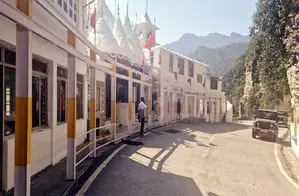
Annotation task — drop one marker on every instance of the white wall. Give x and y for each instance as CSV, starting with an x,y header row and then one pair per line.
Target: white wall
x,y
48,145
229,114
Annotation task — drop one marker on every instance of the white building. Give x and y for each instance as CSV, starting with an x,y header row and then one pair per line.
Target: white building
x,y
72,82
190,81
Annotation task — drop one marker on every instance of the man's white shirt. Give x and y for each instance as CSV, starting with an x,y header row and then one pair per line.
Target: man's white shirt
x,y
142,106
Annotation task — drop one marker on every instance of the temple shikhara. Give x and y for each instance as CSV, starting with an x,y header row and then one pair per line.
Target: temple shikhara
x,y
72,73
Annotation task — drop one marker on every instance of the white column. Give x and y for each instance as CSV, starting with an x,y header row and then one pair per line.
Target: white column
x,y
149,104
130,103
71,119
185,114
168,106
92,111
113,100
194,106
52,106
218,110
174,101
23,111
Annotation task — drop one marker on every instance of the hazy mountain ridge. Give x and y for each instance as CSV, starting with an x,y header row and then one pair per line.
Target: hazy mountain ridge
x,y
220,59
217,50
189,42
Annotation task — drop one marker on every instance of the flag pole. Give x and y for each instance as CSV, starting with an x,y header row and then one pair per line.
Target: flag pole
x,y
94,30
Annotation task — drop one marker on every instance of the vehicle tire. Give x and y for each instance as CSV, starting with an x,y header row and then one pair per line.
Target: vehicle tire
x,y
253,134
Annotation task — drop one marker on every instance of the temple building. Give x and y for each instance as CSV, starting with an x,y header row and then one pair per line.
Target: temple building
x,y
72,72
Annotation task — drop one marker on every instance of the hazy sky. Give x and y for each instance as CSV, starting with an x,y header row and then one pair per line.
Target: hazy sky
x,y
201,17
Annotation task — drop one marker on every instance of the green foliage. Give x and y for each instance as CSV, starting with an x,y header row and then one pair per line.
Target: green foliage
x,y
266,59
234,82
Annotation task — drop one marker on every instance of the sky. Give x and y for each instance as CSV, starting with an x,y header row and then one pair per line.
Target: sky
x,y
200,17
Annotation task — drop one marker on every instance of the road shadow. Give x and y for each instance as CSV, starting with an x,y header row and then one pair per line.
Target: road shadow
x,y
127,177
132,172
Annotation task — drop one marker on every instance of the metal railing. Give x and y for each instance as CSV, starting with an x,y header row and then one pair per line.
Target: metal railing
x,y
92,145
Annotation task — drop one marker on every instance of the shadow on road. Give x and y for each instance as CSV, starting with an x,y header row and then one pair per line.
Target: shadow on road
x,y
127,177
143,170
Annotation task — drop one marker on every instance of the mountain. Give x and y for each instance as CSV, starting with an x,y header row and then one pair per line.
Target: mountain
x,y
188,43
220,59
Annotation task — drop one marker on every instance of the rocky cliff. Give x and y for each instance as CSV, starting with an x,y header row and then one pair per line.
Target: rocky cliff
x,y
290,14
271,60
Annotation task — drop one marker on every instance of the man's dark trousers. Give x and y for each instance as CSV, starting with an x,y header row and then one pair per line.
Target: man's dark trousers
x,y
142,126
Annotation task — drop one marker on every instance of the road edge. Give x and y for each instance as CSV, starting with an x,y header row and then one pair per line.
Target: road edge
x,y
280,160
84,188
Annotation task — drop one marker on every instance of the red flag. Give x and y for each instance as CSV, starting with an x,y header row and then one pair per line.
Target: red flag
x,y
176,75
152,39
142,62
160,58
189,81
148,45
93,21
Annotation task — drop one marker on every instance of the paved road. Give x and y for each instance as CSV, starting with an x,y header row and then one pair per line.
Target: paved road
x,y
206,159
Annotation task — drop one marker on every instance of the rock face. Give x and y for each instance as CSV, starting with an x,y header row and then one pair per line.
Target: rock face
x,y
291,16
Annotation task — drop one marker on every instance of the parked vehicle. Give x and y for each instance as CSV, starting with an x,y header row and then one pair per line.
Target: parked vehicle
x,y
265,124
283,118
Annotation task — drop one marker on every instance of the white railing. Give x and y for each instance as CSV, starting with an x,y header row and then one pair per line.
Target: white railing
x,y
92,145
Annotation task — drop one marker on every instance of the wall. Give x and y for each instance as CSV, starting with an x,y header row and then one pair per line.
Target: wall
x,y
229,112
291,17
48,145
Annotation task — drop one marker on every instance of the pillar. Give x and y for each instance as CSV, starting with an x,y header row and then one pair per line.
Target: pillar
x,y
71,119
205,103
23,125
174,101
194,106
218,110
130,103
113,99
160,103
92,111
189,106
149,105
168,106
141,87
221,105
71,110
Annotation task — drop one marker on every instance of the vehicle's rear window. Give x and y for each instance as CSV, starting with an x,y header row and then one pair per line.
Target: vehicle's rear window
x,y
266,115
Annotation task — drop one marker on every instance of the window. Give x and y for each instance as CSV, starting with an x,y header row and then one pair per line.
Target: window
x,y
98,99
69,7
199,78
190,69
181,66
9,100
214,83
10,57
170,62
39,94
61,94
79,96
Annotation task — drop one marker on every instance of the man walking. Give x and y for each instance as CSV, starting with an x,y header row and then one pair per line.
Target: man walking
x,y
178,106
141,115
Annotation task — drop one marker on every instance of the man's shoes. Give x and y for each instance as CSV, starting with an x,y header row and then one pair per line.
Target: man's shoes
x,y
141,135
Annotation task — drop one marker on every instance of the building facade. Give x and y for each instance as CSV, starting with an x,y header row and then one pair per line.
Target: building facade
x,y
76,77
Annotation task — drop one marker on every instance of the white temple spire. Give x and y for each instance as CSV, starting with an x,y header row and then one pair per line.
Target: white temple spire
x,y
127,8
118,11
146,6
102,8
